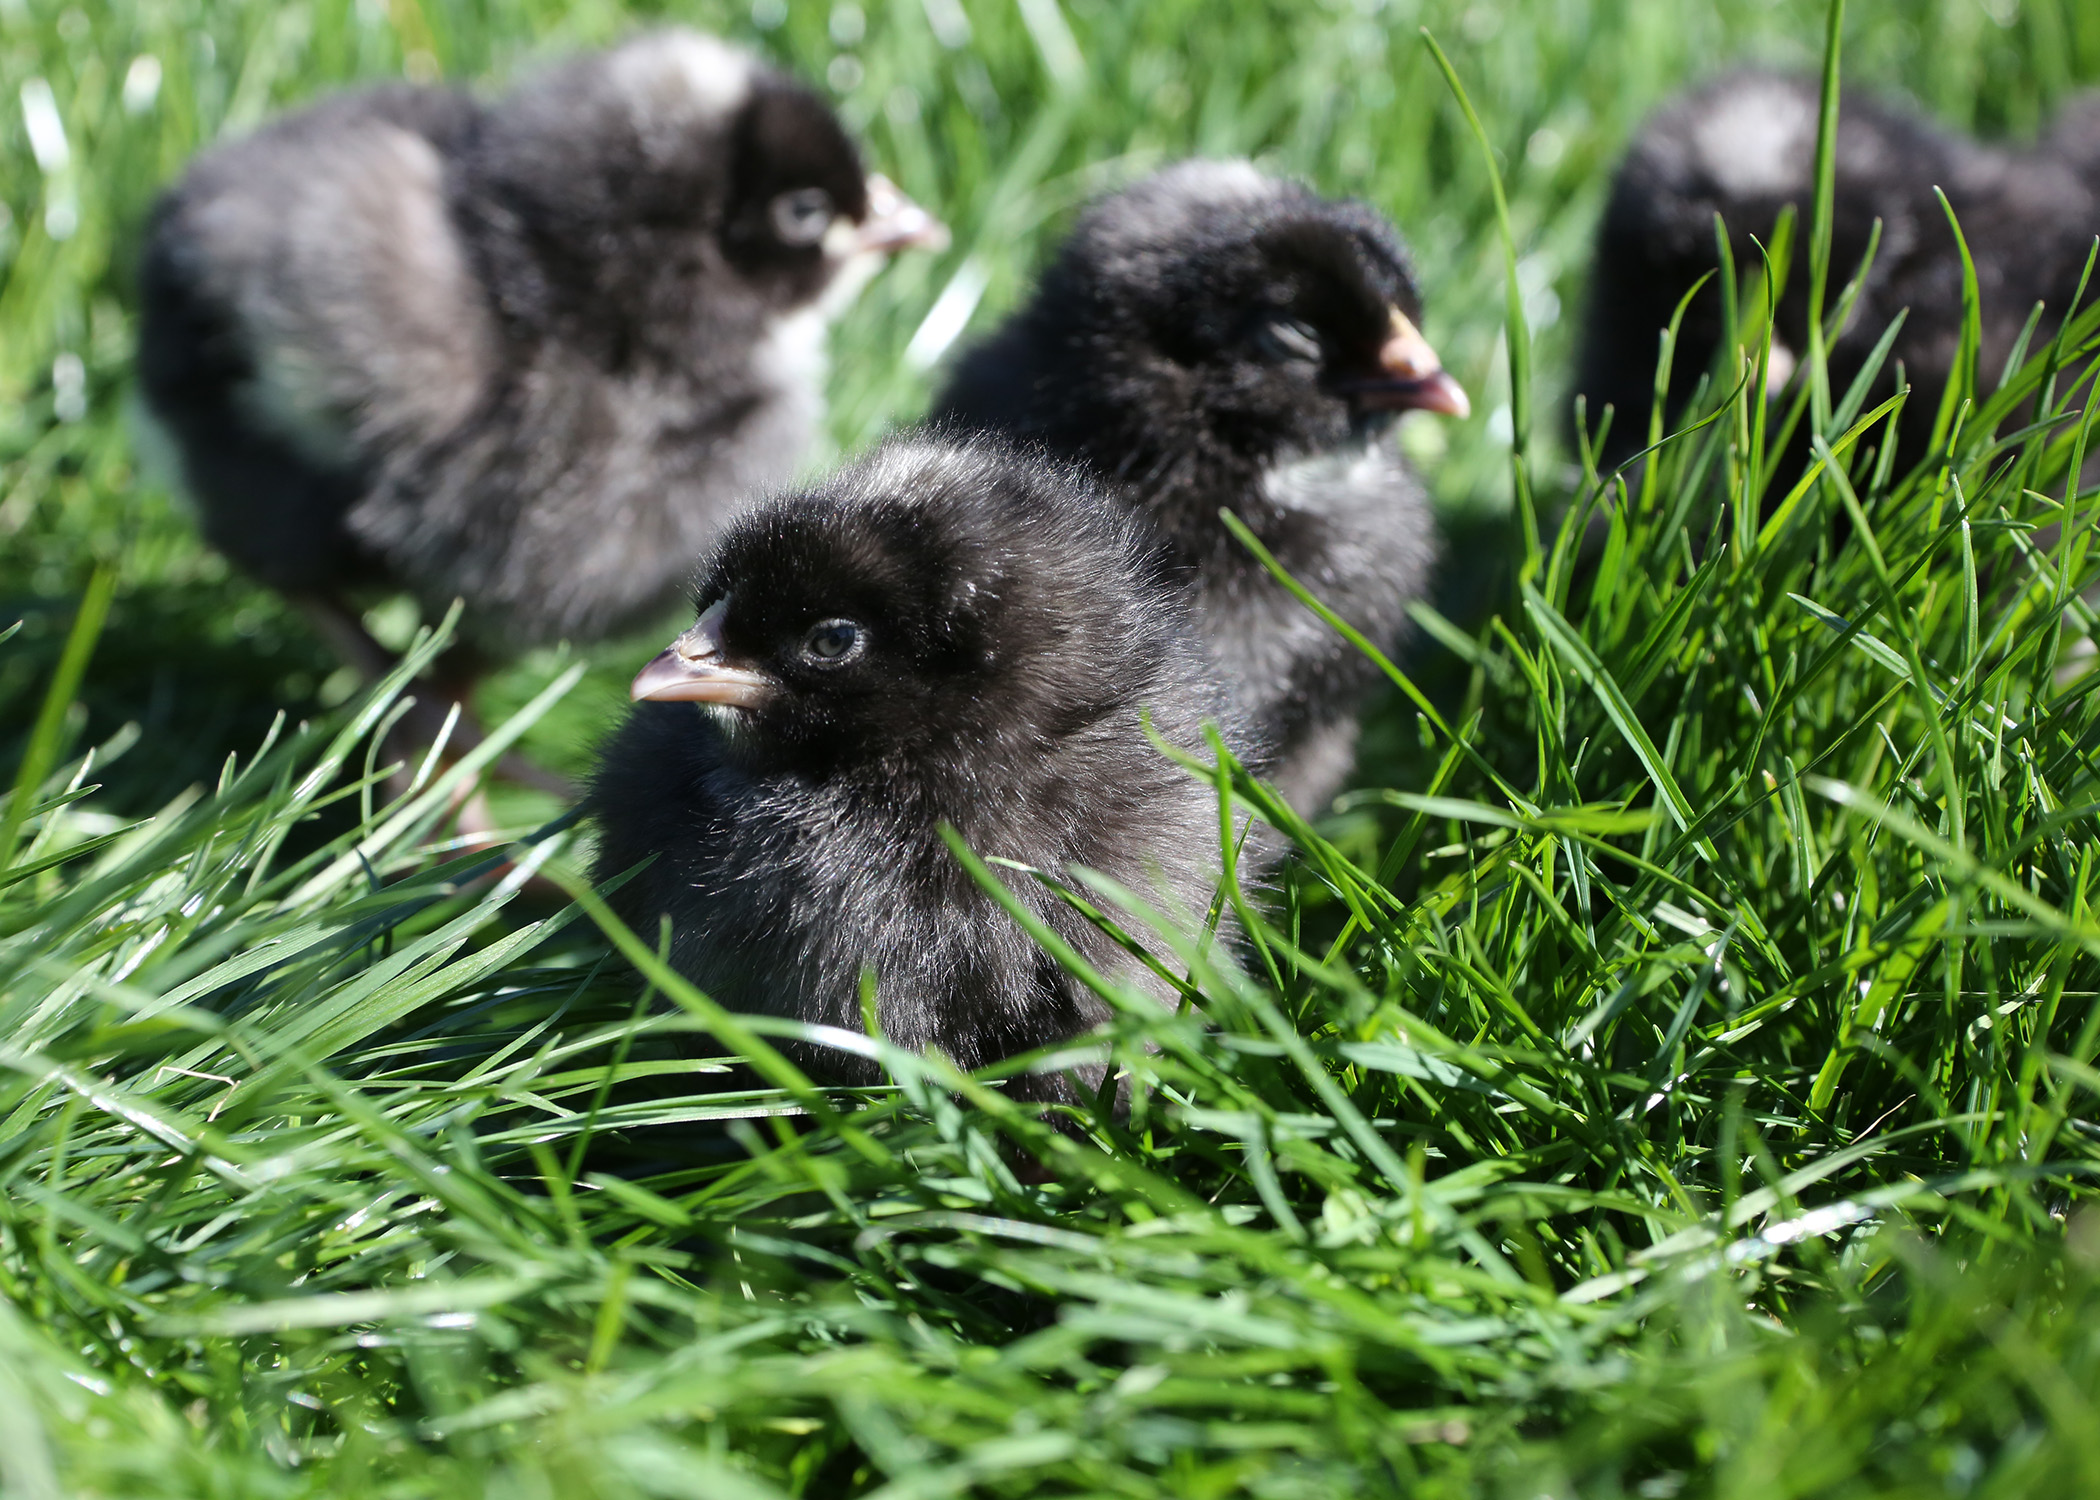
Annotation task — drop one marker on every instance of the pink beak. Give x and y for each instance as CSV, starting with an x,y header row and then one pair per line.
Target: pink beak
x,y
1414,379
894,222
694,670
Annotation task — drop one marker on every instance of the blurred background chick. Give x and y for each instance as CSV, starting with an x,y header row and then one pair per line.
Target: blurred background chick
x,y
529,354
1212,339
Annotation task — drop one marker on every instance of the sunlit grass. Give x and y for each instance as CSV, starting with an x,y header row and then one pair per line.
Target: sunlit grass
x,y
1674,1076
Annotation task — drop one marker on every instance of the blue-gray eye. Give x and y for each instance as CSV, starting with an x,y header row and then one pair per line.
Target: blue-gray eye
x,y
1285,339
833,643
800,217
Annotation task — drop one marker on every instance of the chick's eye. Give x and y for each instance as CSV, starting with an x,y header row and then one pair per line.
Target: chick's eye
x,y
833,643
1286,339
801,217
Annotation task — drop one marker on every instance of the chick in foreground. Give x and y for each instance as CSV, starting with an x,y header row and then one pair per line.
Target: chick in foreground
x,y
529,353
1214,338
1744,147
939,633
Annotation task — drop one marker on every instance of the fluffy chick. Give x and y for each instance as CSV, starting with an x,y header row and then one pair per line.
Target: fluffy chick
x,y
528,353
1744,147
938,633
1214,338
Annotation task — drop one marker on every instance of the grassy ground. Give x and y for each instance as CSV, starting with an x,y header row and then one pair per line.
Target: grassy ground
x,y
1673,1076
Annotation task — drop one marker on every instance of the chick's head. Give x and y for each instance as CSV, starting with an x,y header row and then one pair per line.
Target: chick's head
x,y
930,608
675,163
1269,316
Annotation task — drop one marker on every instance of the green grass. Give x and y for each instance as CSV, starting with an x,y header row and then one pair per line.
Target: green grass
x,y
1673,1074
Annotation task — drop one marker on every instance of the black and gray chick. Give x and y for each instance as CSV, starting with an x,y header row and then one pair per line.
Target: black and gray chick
x,y
530,353
1743,147
940,632
1215,338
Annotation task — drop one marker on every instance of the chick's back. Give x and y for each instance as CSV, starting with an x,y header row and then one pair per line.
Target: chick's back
x,y
305,299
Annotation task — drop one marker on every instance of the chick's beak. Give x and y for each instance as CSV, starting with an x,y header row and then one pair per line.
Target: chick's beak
x,y
694,670
1414,379
894,222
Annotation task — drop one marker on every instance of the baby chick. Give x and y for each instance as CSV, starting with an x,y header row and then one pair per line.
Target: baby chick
x,y
939,633
1214,338
529,353
1744,147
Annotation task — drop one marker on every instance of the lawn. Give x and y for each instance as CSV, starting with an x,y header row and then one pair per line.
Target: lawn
x,y
1672,1072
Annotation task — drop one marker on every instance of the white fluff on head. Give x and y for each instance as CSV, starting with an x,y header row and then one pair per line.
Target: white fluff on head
x,y
678,79
1214,180
1157,214
1759,139
915,468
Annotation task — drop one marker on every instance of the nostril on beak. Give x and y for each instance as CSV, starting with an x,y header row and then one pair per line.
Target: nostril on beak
x,y
1410,376
1406,355
704,641
695,669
